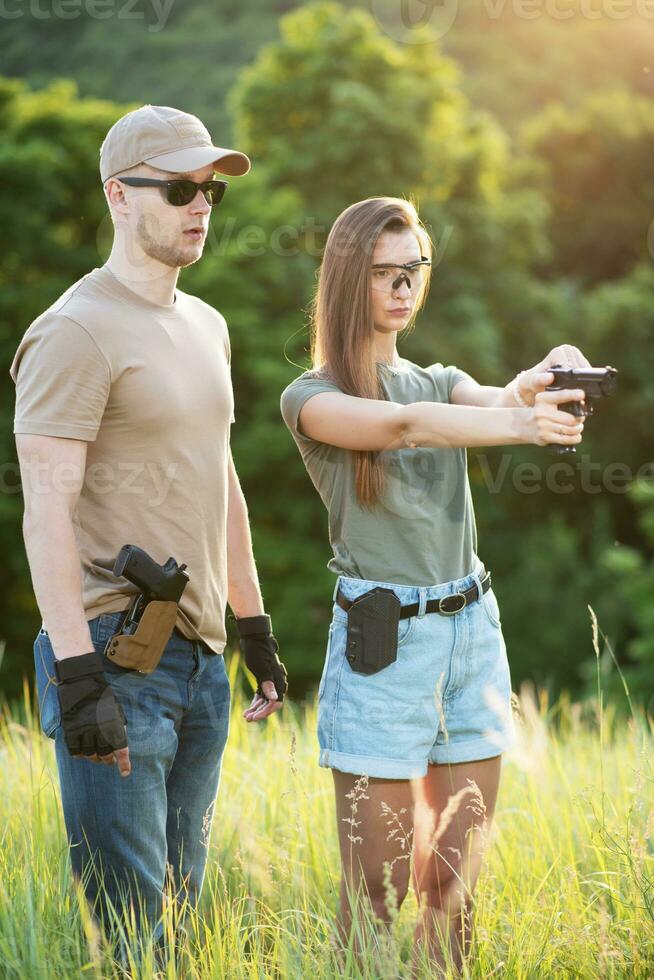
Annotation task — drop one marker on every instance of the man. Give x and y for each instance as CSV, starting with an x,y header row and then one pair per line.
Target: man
x,y
123,411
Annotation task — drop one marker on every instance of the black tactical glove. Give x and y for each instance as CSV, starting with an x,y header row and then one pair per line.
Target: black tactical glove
x,y
92,719
260,648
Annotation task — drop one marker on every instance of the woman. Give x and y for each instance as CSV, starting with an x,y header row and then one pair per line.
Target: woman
x,y
414,700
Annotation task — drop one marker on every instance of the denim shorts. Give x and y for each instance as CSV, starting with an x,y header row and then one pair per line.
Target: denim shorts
x,y
445,699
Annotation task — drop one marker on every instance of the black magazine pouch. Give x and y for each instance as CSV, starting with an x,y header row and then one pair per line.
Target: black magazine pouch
x,y
372,627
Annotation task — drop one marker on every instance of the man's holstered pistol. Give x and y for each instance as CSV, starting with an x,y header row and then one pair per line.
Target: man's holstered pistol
x,y
151,616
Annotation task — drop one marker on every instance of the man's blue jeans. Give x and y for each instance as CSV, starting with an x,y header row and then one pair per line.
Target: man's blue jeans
x,y
124,831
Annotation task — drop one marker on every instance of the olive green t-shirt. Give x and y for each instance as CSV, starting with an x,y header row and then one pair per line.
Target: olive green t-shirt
x,y
423,532
148,387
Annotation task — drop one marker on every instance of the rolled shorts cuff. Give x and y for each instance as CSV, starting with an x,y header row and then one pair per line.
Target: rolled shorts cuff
x,y
473,750
378,767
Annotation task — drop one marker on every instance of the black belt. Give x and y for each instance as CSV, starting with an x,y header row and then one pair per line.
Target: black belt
x,y
444,606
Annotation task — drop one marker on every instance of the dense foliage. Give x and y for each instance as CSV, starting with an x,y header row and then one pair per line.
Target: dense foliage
x,y
541,220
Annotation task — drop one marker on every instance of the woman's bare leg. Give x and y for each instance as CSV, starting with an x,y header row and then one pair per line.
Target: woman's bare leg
x,y
375,829
453,811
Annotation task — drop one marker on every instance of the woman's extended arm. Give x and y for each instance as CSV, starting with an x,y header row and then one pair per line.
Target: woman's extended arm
x,y
372,424
528,383
483,396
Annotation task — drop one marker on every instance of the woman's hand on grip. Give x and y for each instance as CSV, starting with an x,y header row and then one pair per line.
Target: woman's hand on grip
x,y
548,424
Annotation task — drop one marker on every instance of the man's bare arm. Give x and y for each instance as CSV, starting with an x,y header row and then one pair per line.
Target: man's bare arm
x,y
243,589
52,473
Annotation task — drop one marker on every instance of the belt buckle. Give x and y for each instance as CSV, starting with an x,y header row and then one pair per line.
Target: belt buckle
x,y
452,612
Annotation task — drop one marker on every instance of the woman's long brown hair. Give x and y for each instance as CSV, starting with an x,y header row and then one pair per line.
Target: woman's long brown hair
x,y
342,326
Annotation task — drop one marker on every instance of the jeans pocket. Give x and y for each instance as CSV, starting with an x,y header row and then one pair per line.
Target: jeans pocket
x,y
46,685
491,607
405,629
332,626
104,626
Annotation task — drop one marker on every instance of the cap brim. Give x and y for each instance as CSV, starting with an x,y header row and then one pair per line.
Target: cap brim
x,y
230,162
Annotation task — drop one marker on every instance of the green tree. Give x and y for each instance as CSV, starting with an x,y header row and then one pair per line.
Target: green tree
x,y
595,174
256,272
402,105
339,112
183,54
332,112
632,572
487,310
53,203
252,271
518,58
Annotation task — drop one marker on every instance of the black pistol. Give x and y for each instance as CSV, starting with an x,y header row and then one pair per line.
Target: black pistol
x,y
595,382
162,582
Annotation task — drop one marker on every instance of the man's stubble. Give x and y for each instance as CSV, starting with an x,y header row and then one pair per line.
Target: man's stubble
x,y
168,254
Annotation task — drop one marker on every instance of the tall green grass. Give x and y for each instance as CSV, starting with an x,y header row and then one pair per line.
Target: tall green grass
x,y
566,891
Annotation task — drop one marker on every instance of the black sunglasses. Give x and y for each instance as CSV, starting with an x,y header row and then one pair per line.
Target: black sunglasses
x,y
182,191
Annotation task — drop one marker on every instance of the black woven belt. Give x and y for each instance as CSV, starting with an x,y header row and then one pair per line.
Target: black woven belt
x,y
448,605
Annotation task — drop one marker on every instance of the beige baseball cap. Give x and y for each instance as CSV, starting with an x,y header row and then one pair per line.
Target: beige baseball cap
x,y
168,139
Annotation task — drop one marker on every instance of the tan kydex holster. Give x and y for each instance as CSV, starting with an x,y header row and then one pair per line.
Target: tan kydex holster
x,y
142,650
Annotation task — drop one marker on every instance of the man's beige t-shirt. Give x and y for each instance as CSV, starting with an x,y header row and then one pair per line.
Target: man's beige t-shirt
x,y
148,386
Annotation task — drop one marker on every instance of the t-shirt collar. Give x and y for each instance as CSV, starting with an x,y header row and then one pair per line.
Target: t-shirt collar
x,y
118,286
